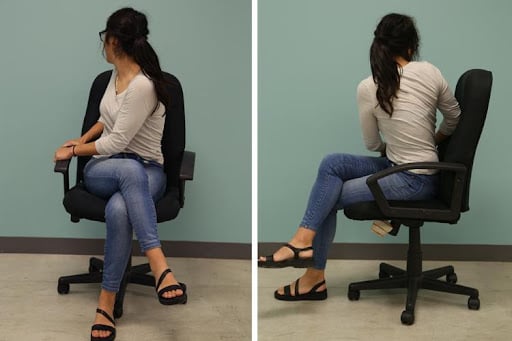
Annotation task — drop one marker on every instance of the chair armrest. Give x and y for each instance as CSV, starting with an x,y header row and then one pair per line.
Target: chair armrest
x,y
187,166
62,166
411,213
186,173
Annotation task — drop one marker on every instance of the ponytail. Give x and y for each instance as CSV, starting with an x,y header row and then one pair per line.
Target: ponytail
x,y
395,36
385,75
146,57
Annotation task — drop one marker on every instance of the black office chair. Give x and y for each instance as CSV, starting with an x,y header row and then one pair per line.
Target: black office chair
x,y
178,166
456,160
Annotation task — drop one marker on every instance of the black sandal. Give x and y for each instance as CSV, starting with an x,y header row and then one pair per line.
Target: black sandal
x,y
295,261
104,327
311,295
182,299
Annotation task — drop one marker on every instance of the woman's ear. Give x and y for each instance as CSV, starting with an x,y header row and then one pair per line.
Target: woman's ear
x,y
113,41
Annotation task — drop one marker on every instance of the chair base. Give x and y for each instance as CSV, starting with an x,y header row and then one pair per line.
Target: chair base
x,y
133,274
391,277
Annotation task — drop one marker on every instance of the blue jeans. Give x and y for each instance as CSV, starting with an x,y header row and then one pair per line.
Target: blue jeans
x,y
132,186
341,181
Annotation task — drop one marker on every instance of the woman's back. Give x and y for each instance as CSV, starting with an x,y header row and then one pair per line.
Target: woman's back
x,y
409,131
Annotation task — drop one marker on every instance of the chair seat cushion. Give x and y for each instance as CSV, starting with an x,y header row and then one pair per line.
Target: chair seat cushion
x,y
370,211
79,203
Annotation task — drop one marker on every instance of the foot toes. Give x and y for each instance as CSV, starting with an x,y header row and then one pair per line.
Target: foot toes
x,y
100,333
175,293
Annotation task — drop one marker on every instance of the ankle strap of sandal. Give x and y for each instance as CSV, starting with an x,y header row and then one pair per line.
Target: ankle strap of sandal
x,y
296,250
106,315
162,276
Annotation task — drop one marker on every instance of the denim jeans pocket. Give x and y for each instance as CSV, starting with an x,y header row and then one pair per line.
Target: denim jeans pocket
x,y
422,186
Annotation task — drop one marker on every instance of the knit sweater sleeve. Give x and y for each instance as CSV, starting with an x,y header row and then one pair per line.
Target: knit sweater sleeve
x,y
369,126
448,106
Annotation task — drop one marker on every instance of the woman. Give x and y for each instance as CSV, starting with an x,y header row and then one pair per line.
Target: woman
x,y
399,102
127,167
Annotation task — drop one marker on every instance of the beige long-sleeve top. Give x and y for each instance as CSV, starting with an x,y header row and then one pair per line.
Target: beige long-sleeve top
x,y
131,123
408,134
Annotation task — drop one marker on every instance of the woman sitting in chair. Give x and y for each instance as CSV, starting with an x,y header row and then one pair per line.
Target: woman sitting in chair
x,y
399,102
127,167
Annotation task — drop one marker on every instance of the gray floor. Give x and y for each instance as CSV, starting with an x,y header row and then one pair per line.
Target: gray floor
x,y
219,305
376,316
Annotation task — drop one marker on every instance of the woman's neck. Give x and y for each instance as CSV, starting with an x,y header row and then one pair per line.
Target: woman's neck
x,y
401,61
126,68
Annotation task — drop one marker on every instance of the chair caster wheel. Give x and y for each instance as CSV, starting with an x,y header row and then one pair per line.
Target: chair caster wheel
x,y
383,274
407,317
95,265
474,303
63,288
93,269
353,295
451,278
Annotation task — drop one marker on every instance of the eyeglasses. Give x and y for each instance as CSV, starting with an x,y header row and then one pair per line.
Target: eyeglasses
x,y
102,35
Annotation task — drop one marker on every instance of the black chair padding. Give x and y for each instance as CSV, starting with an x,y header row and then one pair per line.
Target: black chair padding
x,y
370,211
81,204
473,92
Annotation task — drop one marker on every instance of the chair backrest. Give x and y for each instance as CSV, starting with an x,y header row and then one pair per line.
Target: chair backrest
x,y
173,139
473,92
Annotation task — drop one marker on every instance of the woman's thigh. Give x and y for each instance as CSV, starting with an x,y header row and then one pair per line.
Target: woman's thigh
x,y
102,177
157,180
398,186
350,166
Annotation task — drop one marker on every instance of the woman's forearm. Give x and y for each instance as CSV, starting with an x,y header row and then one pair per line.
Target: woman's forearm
x,y
67,151
92,133
85,149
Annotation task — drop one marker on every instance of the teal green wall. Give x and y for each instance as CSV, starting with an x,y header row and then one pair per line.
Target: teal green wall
x,y
312,55
51,54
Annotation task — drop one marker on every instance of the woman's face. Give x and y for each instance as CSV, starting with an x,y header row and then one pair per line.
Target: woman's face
x,y
108,46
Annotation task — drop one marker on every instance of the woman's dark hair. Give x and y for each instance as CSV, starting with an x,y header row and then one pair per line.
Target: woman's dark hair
x,y
130,28
395,36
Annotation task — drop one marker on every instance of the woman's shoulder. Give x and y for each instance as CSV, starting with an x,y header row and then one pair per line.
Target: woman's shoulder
x,y
424,72
141,84
423,66
366,90
141,80
366,84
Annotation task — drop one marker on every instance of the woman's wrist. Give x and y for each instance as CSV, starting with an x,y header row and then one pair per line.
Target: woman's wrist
x,y
73,150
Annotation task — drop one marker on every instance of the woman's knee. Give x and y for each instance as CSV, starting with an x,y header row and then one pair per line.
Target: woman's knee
x,y
115,209
330,163
132,171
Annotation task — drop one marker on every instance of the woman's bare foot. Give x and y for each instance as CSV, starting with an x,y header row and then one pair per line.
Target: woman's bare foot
x,y
310,278
169,280
303,238
285,253
158,265
106,303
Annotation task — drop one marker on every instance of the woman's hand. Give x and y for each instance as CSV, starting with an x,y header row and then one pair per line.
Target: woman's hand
x,y
63,153
439,137
74,142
